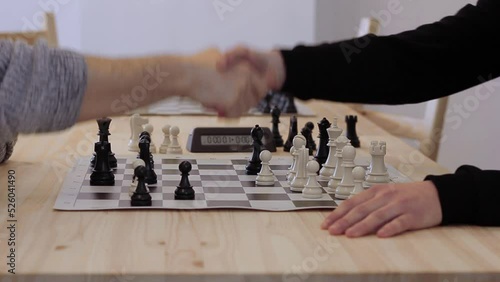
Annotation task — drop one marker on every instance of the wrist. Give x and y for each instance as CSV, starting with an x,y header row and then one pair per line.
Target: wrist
x,y
278,72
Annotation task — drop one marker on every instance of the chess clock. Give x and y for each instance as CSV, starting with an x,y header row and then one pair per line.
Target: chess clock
x,y
226,140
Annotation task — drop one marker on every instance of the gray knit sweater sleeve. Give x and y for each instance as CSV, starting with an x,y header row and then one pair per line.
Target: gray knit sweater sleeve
x,y
41,90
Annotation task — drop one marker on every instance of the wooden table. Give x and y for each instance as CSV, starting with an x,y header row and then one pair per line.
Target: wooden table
x,y
218,245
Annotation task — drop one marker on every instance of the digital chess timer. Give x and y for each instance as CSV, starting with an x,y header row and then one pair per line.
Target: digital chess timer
x,y
226,140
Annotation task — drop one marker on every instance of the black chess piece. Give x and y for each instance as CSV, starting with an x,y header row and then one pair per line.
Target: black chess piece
x,y
267,103
254,165
323,150
102,174
147,136
290,107
307,133
145,154
310,125
292,132
141,196
278,139
184,190
103,134
351,130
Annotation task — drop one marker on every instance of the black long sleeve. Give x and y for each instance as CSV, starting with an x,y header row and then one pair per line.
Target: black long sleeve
x,y
432,61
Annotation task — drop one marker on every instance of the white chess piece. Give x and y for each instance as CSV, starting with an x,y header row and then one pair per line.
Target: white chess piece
x,y
299,141
358,173
133,185
149,128
174,147
378,171
329,167
336,178
166,139
265,177
299,181
312,189
136,123
346,186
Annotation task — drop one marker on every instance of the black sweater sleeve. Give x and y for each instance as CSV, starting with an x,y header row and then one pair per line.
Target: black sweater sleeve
x,y
432,61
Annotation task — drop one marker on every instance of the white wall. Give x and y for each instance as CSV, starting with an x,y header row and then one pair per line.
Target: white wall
x,y
470,136
132,27
28,15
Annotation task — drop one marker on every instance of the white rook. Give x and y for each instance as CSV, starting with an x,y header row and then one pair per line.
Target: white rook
x,y
378,171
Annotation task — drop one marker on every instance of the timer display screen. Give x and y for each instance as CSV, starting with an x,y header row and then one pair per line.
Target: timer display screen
x,y
231,140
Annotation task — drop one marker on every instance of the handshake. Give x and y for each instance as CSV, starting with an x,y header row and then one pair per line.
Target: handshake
x,y
233,82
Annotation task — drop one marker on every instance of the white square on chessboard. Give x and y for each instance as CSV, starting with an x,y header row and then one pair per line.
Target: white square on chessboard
x,y
225,197
101,189
298,197
178,177
264,190
217,172
214,162
246,177
222,184
239,167
272,205
176,167
171,190
154,196
195,204
95,204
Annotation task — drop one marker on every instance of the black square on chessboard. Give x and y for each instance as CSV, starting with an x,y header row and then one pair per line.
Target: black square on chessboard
x,y
127,204
177,161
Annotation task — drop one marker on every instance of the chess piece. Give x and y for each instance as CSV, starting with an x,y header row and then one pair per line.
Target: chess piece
x,y
149,128
136,124
299,141
267,103
141,196
322,153
102,174
103,134
265,177
293,131
184,190
145,135
174,147
254,165
278,139
329,167
166,139
313,189
351,130
378,171
290,107
133,185
307,133
346,186
336,178
358,173
310,125
145,155
299,181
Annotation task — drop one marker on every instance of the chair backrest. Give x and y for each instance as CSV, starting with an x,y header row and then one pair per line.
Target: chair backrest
x,y
49,33
427,131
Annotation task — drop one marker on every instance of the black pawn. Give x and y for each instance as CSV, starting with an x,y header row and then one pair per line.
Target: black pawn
x,y
292,132
323,150
145,155
184,190
102,174
278,139
103,134
351,130
308,135
310,125
141,196
254,165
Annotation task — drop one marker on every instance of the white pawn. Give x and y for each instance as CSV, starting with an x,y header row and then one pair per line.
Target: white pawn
x,y
174,147
133,185
265,177
149,128
312,189
346,186
358,173
166,139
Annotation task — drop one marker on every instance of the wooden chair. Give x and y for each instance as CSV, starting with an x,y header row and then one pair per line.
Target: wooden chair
x,y
49,33
427,131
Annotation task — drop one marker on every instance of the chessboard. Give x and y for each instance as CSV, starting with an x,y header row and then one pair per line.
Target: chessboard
x,y
176,106
219,183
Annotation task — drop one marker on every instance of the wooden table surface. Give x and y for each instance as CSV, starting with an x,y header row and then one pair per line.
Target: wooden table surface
x,y
223,245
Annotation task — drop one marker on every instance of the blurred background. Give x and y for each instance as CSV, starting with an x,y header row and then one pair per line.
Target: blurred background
x,y
142,27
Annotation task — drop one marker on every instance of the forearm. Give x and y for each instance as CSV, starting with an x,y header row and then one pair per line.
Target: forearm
x,y
432,61
116,86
